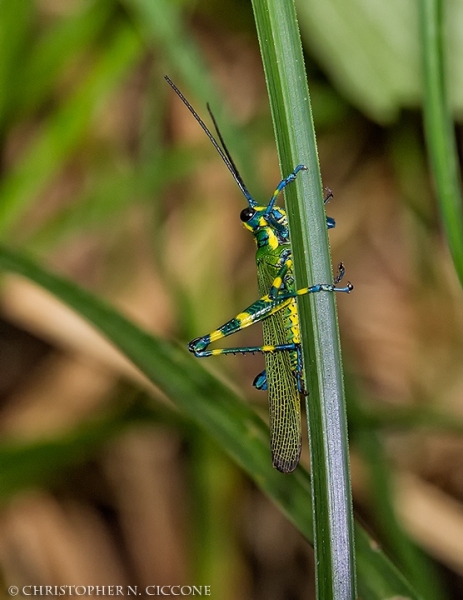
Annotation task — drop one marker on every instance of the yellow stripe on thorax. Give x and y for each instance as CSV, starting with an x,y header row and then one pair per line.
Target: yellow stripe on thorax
x,y
294,320
272,239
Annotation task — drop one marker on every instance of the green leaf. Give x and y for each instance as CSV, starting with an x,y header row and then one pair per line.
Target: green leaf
x,y
371,51
439,130
293,123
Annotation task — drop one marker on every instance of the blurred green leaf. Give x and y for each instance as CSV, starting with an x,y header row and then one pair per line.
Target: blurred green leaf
x,y
213,406
15,21
161,22
38,463
65,129
440,136
110,194
52,54
411,559
371,51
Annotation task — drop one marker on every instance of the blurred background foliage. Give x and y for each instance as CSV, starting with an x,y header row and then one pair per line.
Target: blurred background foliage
x,y
106,178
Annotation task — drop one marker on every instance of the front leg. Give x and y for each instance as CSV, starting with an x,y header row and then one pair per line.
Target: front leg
x,y
319,287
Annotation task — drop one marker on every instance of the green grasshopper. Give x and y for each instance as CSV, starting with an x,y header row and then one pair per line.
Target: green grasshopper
x,y
283,376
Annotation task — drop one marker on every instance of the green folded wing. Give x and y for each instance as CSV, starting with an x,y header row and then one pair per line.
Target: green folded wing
x,y
284,402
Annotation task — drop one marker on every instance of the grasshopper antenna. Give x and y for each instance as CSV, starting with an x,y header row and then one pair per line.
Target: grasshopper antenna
x,y
224,153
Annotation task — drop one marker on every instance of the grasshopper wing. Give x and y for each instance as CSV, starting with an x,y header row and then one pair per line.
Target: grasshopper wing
x,y
284,401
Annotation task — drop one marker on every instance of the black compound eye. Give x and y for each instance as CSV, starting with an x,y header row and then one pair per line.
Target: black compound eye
x,y
246,214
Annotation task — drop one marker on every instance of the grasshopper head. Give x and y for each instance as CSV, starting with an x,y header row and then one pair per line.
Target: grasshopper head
x,y
266,223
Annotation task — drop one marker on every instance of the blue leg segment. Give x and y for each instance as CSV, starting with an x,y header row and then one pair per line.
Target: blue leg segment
x,y
330,222
260,381
283,183
299,373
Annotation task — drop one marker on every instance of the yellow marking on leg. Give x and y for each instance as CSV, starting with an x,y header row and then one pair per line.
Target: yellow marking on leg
x,y
243,317
216,335
277,282
268,348
216,352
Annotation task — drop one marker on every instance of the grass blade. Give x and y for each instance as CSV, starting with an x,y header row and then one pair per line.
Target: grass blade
x,y
439,129
289,99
